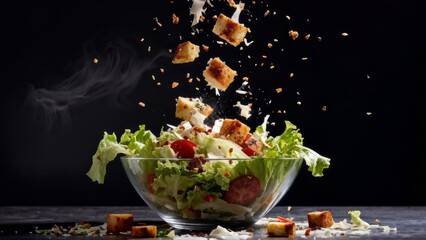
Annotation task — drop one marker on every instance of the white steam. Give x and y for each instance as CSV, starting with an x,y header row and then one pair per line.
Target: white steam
x,y
118,69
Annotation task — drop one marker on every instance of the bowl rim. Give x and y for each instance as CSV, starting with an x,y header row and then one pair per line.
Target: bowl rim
x,y
209,159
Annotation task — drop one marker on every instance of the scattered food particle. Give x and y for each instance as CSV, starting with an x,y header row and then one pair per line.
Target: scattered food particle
x,y
95,60
293,34
175,84
278,90
142,104
175,19
205,48
266,13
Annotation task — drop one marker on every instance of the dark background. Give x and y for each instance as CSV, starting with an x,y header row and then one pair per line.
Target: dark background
x,y
56,103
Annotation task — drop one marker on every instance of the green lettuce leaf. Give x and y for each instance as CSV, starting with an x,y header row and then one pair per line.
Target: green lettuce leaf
x,y
108,149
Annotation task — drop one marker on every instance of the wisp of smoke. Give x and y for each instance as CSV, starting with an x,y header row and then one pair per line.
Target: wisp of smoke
x,y
119,69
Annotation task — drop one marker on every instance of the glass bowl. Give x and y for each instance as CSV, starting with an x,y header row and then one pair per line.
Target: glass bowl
x,y
200,194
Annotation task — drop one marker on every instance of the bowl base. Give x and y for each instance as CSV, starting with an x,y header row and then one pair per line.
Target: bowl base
x,y
208,225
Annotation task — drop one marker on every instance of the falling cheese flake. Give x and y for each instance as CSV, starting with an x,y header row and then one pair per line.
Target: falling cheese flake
x,y
158,23
142,104
291,75
278,90
245,109
324,108
175,84
95,61
153,77
345,34
247,43
197,10
238,9
368,113
288,17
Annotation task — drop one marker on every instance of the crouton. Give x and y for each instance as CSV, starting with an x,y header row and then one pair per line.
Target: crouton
x,y
187,107
218,74
230,30
119,222
318,219
186,52
281,229
149,231
234,130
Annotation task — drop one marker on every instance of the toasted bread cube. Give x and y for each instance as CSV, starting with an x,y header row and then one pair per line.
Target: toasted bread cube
x,y
281,229
234,130
186,52
185,108
119,222
318,219
218,74
149,231
230,30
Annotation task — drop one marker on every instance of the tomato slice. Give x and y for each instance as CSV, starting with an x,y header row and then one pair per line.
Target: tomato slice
x,y
250,152
183,148
149,180
243,190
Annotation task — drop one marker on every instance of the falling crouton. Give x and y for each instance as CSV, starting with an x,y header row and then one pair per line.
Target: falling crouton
x,y
234,130
230,30
218,74
186,52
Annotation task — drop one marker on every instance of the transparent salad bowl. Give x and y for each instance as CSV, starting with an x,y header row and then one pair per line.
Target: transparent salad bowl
x,y
200,194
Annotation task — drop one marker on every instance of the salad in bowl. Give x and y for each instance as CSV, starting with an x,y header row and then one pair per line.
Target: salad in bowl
x,y
197,177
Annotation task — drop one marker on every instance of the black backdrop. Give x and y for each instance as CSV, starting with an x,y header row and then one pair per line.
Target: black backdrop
x,y
357,99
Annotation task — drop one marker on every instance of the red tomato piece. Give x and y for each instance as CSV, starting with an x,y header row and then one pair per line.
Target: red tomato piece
x,y
250,152
184,148
149,180
209,198
243,190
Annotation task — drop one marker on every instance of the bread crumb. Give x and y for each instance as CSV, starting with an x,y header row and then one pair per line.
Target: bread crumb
x,y
278,90
293,34
175,84
175,19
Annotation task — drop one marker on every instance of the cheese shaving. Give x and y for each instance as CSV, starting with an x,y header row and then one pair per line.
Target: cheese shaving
x,y
245,109
197,10
238,9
